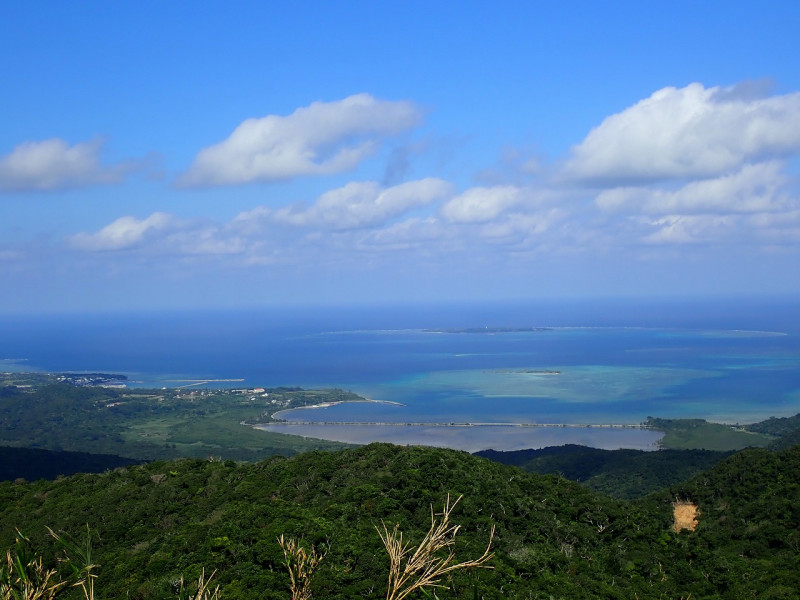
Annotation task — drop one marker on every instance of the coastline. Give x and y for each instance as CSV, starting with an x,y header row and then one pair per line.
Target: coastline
x,y
734,370
329,404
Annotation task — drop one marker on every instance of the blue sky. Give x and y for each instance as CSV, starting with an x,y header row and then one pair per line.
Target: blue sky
x,y
184,154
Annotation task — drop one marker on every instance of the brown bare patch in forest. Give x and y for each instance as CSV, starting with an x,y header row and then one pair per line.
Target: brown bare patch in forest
x,y
686,514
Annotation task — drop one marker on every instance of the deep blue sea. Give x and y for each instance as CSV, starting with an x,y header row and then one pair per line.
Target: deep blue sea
x,y
580,362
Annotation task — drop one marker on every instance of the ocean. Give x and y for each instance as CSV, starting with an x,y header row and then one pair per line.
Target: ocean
x,y
567,362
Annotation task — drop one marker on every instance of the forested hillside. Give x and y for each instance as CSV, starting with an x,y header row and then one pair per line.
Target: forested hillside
x,y
787,428
554,539
618,473
34,463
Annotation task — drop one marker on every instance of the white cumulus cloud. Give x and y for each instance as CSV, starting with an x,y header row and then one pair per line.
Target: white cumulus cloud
x,y
54,165
411,234
687,132
691,229
125,232
363,204
319,139
481,204
518,227
753,188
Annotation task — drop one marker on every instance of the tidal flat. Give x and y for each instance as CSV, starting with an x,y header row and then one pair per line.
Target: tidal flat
x,y
477,437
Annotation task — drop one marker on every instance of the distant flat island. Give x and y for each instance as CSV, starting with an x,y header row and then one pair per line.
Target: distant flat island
x,y
488,330
529,371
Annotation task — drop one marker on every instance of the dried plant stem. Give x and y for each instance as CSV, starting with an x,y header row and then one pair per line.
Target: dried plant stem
x,y
203,591
431,560
79,560
300,564
23,576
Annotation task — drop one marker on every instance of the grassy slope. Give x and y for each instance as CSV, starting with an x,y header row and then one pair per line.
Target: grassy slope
x,y
697,434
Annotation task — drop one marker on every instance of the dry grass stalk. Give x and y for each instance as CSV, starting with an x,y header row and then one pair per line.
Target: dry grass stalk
x,y
431,560
78,559
204,592
301,565
23,576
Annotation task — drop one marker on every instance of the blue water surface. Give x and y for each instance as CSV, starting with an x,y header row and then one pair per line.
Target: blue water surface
x,y
595,361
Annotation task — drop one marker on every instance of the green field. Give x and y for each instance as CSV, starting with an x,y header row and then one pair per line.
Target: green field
x,y
697,434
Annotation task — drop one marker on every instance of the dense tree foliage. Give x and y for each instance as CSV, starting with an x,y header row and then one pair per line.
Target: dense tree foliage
x,y
555,538
34,463
786,441
749,530
776,426
618,473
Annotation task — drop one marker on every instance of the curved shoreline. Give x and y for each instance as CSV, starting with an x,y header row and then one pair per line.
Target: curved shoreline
x,y
276,415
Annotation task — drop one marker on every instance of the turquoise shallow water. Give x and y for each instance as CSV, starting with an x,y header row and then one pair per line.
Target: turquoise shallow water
x,y
589,362
713,375
567,376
